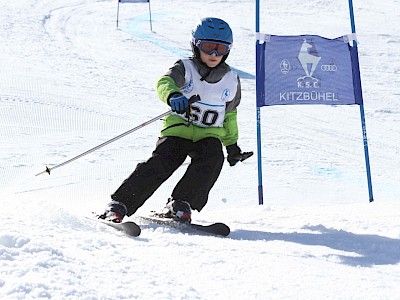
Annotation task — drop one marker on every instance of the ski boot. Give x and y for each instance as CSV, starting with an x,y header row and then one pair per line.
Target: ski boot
x,y
115,212
178,210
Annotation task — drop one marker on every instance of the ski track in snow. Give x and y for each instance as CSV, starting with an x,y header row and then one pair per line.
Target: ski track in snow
x,y
69,80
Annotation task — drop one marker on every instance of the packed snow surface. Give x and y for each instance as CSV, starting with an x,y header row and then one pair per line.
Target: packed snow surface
x,y
71,80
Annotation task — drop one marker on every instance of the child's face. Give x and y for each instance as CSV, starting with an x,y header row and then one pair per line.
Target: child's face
x,y
210,60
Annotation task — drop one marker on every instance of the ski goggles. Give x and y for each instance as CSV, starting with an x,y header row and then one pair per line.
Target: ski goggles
x,y
210,47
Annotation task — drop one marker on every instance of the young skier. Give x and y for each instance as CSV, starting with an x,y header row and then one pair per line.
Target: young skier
x,y
194,129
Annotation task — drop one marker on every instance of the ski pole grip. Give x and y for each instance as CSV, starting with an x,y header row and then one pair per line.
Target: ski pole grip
x,y
243,156
194,99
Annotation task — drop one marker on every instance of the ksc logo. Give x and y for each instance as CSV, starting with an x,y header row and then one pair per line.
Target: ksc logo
x,y
225,95
188,87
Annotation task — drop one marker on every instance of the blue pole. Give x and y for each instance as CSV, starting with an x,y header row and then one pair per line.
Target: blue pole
x,y
260,184
151,25
258,114
117,13
362,114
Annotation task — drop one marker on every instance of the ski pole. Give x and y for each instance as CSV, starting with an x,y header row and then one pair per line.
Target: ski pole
x,y
48,170
193,99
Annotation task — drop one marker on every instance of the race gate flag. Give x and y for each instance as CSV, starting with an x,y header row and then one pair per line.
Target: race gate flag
x,y
307,69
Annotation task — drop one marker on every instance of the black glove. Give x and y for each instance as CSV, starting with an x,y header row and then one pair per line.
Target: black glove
x,y
178,103
235,154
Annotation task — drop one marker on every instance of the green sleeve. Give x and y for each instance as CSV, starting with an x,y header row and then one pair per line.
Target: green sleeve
x,y
165,87
231,128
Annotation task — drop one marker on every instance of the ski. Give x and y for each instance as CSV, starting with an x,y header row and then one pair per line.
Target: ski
x,y
219,229
128,227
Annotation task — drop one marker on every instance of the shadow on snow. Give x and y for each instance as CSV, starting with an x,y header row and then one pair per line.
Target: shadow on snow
x,y
370,249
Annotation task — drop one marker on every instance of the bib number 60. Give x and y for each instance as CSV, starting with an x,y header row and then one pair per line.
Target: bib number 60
x,y
206,117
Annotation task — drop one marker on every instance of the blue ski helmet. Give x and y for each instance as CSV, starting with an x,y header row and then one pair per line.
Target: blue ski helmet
x,y
211,29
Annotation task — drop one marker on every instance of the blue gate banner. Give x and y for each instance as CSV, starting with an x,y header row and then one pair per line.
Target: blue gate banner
x,y
307,69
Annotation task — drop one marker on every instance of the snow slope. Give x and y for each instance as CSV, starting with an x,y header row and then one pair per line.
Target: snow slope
x,y
70,80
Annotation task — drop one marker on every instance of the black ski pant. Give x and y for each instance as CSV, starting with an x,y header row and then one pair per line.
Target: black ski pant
x,y
207,159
